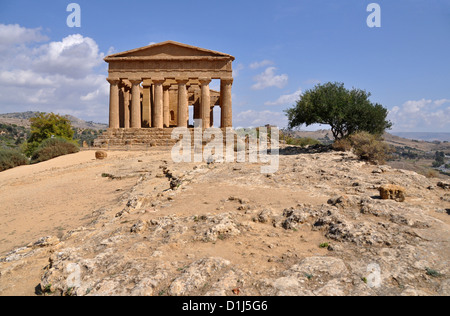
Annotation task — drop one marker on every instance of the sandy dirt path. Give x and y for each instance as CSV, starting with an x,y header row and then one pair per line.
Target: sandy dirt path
x,y
55,196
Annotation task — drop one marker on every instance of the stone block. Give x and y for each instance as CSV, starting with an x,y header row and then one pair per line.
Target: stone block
x,y
101,155
392,192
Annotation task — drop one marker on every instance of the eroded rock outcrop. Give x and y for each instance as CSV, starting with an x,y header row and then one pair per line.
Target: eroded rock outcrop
x,y
316,227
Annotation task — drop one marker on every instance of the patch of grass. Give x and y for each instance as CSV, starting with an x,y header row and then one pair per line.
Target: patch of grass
x,y
69,291
47,289
111,176
324,245
433,273
182,268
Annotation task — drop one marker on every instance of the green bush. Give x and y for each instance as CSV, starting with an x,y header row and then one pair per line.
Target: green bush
x,y
52,148
301,141
366,146
370,147
10,158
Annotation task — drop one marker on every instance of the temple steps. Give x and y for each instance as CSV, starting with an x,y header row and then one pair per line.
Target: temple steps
x,y
145,137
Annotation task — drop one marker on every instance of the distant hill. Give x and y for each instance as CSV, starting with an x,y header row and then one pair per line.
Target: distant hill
x,y
420,141
22,119
428,137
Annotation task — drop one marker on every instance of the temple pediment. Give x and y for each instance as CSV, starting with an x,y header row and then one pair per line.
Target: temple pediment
x,y
169,50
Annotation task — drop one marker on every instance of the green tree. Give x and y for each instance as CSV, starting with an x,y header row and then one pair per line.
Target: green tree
x,y
439,159
346,111
45,126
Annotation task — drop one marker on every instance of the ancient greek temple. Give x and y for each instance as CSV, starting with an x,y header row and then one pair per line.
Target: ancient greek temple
x,y
154,86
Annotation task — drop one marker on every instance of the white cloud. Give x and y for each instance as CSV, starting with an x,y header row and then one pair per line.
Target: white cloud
x,y
269,79
442,101
111,50
58,76
415,106
13,34
287,99
23,78
74,56
252,118
421,116
261,64
237,69
94,94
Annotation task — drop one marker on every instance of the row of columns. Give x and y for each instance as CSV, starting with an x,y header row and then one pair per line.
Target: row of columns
x,y
161,113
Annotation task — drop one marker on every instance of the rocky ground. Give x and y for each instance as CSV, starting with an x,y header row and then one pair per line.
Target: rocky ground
x,y
316,227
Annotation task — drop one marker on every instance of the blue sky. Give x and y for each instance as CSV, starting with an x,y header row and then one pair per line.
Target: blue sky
x,y
282,48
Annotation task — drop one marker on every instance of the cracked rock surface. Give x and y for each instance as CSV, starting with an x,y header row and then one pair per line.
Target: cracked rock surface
x,y
318,226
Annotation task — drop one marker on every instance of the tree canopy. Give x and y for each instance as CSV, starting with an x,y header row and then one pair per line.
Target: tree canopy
x,y
346,111
45,126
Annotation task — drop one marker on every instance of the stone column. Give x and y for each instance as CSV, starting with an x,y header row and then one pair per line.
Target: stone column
x,y
182,103
121,106
226,102
166,106
135,103
146,106
126,104
114,119
159,103
211,115
205,101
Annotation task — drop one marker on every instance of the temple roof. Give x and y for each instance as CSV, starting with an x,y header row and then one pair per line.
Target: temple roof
x,y
168,50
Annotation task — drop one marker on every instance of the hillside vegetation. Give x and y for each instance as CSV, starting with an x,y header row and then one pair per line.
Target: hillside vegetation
x,y
29,137
15,129
22,119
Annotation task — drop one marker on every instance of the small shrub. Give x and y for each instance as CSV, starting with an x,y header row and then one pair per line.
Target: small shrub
x,y
370,147
10,158
430,173
52,148
309,276
366,146
342,145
